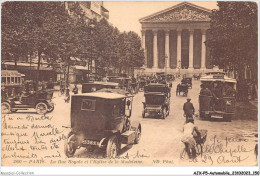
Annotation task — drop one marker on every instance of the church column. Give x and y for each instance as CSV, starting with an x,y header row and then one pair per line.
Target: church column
x,y
203,49
155,50
179,48
167,51
144,47
191,50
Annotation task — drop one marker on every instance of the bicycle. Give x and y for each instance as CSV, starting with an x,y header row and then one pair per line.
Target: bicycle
x,y
200,140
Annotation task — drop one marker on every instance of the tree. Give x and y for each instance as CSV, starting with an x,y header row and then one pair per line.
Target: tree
x,y
233,40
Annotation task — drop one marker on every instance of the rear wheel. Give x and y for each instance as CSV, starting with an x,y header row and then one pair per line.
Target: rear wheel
x,y
143,114
138,135
112,147
227,117
51,108
164,113
41,108
69,146
5,108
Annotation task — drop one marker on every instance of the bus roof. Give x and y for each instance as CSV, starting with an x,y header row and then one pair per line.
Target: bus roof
x,y
217,77
103,95
103,83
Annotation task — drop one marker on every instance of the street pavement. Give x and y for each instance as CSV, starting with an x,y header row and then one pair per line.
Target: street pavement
x,y
228,143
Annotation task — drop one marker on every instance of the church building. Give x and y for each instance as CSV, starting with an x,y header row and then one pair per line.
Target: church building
x,y
174,40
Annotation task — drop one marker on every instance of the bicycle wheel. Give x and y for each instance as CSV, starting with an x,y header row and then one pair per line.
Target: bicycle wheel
x,y
183,154
199,149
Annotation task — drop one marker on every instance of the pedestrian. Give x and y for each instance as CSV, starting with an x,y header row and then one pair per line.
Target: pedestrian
x,y
190,133
188,109
75,89
67,96
205,91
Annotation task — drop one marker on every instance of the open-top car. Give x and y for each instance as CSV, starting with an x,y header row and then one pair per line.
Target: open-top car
x,y
157,100
217,98
41,100
102,119
97,85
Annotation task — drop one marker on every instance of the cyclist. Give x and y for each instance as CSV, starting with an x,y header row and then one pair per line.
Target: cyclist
x,y
190,132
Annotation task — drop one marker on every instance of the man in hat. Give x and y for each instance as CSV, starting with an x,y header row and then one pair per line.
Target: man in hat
x,y
188,109
205,91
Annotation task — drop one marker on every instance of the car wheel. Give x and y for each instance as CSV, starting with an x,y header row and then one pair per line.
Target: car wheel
x,y
138,135
51,108
112,147
69,145
227,117
143,114
41,108
164,113
5,108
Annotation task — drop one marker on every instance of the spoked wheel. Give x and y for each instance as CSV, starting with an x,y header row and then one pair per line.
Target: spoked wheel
x,y
5,108
138,135
184,154
164,113
227,117
70,145
112,147
143,114
51,108
199,149
41,108
168,111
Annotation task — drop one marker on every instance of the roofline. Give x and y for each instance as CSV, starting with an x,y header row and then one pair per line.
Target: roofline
x,y
173,7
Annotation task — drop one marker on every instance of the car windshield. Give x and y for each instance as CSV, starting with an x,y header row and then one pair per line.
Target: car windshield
x,y
151,99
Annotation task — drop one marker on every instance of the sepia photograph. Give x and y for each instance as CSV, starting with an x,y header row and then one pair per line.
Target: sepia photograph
x,y
130,83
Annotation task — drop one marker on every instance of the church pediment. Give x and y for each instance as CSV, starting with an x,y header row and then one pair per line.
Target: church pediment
x,y
181,12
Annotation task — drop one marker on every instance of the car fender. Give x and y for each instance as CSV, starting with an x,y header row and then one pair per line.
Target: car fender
x,y
8,101
41,100
135,125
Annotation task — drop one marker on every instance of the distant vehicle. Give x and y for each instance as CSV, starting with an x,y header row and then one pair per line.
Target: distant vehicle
x,y
142,83
124,83
97,85
187,79
157,100
218,106
102,119
184,88
29,98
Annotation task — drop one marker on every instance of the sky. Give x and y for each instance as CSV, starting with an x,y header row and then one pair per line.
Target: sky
x,y
125,15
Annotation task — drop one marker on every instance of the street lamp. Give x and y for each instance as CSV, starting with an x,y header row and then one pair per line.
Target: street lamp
x,y
179,67
165,66
91,26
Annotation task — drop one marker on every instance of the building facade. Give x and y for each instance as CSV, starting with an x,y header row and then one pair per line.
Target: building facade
x,y
174,40
91,9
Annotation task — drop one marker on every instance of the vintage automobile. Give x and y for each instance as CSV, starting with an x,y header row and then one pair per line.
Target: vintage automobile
x,y
157,100
142,83
102,119
184,88
41,100
124,83
187,79
97,85
215,105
